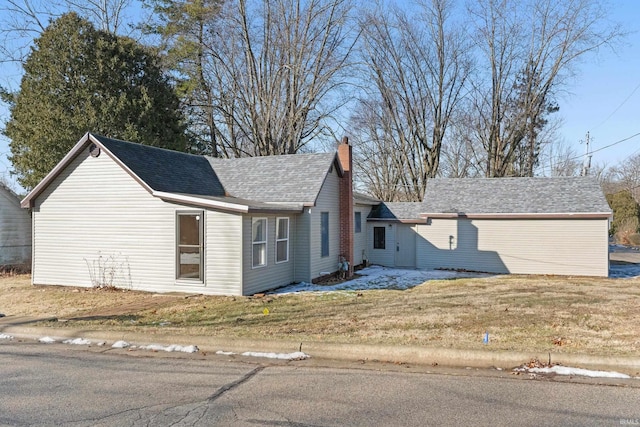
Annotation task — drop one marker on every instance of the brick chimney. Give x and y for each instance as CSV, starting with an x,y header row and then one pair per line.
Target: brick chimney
x,y
346,204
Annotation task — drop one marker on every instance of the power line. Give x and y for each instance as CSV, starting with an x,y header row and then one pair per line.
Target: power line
x,y
618,107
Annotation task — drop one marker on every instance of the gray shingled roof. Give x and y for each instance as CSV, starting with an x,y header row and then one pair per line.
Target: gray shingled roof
x,y
294,178
291,180
397,211
166,170
514,195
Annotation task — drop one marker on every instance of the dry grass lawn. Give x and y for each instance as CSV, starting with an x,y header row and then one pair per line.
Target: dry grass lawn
x,y
523,313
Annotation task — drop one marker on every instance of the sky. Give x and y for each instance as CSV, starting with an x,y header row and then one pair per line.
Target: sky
x,y
605,96
602,99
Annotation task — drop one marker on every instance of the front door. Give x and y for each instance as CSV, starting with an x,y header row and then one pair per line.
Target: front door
x,y
405,246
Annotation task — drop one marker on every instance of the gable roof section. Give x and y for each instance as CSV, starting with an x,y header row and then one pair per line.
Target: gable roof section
x,y
562,196
8,195
264,184
293,178
166,170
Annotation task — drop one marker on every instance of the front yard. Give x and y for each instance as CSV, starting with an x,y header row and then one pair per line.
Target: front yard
x,y
522,313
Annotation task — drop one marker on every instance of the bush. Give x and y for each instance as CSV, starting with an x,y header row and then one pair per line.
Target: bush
x,y
625,214
634,239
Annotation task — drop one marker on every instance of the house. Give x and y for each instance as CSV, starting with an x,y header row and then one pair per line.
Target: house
x,y
499,225
123,214
118,213
15,232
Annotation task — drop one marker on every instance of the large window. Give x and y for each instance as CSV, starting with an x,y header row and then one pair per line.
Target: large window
x,y
190,254
282,239
379,239
259,240
357,222
324,234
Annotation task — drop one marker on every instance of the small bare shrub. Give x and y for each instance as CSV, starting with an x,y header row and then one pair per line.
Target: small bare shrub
x,y
109,271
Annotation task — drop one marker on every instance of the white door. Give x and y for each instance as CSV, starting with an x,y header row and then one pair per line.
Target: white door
x,y
405,246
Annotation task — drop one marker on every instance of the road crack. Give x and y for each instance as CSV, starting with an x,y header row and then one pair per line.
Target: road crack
x,y
222,390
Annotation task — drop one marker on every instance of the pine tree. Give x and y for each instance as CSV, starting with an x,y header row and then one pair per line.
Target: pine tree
x,y
80,79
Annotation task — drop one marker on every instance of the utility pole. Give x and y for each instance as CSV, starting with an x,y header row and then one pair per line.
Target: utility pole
x,y
586,163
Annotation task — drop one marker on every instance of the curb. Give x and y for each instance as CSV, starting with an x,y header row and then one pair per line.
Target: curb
x,y
447,357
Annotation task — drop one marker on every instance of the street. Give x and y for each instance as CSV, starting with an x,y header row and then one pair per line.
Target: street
x,y
46,385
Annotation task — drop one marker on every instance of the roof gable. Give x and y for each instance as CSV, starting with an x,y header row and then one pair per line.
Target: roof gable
x,y
274,183
562,195
166,170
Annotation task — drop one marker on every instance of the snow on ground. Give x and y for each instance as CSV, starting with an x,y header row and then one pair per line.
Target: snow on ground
x,y
120,344
567,370
46,340
297,355
170,348
5,337
77,341
378,277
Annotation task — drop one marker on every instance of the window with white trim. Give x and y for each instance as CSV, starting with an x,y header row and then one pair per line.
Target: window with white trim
x,y
357,228
189,250
259,242
282,239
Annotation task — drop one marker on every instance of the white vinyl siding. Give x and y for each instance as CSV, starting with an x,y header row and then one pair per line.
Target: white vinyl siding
x,y
273,274
521,246
15,231
328,201
95,213
360,252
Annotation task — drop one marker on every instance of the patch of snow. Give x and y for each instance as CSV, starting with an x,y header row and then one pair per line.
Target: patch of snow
x,y
46,340
225,353
77,341
298,355
120,344
170,348
101,344
378,277
5,337
567,370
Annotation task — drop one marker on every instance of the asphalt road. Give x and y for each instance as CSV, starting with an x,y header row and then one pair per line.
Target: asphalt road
x,y
46,385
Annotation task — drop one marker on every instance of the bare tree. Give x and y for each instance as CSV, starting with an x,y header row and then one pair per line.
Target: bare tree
x,y
276,69
416,65
529,48
21,21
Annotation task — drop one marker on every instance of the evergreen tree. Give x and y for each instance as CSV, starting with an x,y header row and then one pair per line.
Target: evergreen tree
x,y
80,79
